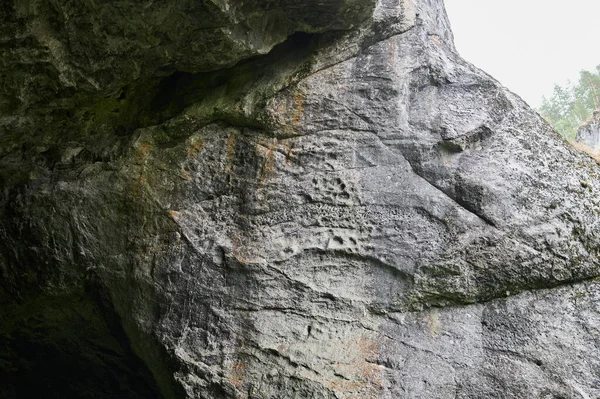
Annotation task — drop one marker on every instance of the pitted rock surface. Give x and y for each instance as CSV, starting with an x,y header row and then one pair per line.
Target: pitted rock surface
x,y
356,213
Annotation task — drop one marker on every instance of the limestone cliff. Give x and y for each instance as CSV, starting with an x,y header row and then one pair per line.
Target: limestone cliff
x,y
588,134
282,199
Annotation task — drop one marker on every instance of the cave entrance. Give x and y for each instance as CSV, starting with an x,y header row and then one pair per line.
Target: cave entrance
x,y
68,347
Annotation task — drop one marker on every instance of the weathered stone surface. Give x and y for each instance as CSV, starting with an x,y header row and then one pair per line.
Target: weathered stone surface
x,y
359,213
588,134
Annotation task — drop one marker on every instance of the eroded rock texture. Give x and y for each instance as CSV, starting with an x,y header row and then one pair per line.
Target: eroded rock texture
x,y
589,133
277,199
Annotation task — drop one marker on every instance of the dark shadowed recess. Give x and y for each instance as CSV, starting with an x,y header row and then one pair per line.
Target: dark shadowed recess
x,y
181,89
69,347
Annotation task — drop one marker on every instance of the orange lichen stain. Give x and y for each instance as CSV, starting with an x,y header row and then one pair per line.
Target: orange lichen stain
x,y
230,153
240,251
138,185
299,99
268,166
358,377
195,148
293,116
185,175
237,373
268,151
240,255
231,146
142,152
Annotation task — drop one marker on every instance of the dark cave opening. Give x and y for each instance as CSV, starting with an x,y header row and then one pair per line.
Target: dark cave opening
x,y
69,347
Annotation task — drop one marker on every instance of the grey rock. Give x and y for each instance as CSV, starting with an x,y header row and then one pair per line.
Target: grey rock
x,y
588,134
359,213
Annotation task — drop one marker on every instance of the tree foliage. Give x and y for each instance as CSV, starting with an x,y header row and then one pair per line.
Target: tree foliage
x,y
570,106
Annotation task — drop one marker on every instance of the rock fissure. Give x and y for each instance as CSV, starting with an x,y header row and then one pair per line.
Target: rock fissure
x,y
461,204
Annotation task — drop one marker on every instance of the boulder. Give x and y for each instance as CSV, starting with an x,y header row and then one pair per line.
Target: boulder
x,y
276,199
588,134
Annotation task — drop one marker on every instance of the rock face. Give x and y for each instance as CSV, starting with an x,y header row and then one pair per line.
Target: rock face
x,y
588,134
277,199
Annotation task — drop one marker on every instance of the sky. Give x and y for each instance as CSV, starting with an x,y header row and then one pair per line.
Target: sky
x,y
528,45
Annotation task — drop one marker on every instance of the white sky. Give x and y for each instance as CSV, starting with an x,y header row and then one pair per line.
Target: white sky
x,y
528,45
